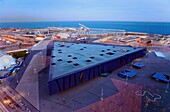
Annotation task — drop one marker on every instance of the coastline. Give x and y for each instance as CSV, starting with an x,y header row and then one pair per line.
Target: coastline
x,y
143,27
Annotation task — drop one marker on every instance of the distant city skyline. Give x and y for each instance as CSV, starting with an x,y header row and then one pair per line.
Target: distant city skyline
x,y
88,10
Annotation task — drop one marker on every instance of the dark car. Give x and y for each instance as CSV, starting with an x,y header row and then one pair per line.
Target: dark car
x,y
11,105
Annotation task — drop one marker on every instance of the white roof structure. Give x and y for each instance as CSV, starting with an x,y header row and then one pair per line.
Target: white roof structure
x,y
63,35
6,61
160,54
1,53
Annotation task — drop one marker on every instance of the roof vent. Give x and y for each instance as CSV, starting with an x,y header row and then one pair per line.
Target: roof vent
x,y
124,50
69,55
61,45
76,64
92,57
88,60
75,58
69,61
59,60
110,53
53,64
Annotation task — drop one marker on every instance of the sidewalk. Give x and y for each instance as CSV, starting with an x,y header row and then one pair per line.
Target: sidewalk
x,y
22,102
2,108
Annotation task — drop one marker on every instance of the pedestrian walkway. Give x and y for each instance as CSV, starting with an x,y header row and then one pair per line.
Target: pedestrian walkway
x,y
22,69
28,84
41,45
2,108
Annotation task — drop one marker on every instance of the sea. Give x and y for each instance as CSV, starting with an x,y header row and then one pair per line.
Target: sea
x,y
144,27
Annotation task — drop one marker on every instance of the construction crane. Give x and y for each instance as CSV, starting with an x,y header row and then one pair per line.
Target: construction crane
x,y
83,27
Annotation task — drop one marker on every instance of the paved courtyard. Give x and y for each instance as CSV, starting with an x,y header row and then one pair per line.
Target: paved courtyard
x,y
112,93
102,94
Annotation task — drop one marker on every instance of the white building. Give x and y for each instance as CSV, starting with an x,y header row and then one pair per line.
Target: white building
x,y
6,61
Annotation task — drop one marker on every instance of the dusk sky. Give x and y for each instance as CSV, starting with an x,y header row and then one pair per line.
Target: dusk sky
x,y
85,10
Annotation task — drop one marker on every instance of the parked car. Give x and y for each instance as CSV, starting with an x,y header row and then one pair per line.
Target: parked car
x,y
11,105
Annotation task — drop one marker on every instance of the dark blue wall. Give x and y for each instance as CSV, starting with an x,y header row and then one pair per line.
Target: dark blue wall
x,y
74,79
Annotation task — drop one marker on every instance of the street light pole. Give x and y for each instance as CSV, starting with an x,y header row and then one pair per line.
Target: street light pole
x,y
17,78
28,88
167,86
101,94
42,58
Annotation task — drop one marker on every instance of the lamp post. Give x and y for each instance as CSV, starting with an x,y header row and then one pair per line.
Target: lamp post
x,y
102,94
42,59
28,88
167,86
17,78
126,80
146,104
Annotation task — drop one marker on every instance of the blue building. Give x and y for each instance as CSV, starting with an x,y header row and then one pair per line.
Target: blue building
x,y
73,63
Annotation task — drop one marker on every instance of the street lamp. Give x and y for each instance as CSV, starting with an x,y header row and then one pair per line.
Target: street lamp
x,y
42,59
166,91
126,80
28,90
35,70
102,94
17,78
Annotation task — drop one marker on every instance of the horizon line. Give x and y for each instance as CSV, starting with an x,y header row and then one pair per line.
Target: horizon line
x,y
82,21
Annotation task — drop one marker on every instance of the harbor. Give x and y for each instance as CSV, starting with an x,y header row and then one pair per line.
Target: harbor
x,y
91,75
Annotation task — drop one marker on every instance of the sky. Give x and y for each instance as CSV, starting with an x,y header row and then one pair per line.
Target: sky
x,y
84,10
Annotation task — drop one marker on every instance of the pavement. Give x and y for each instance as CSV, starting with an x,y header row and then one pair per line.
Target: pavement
x,y
24,86
4,96
113,93
102,94
22,69
123,101
3,108
28,84
41,45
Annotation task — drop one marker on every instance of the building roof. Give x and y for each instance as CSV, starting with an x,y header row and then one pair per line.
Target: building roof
x,y
68,58
2,53
63,35
6,61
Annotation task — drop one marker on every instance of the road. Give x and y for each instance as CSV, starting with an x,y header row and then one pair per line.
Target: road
x,y
3,108
11,83
4,98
